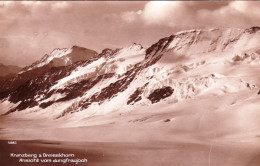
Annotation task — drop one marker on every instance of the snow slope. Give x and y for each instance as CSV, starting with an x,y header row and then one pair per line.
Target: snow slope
x,y
186,65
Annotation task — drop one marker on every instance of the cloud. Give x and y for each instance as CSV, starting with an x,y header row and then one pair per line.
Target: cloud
x,y
130,16
31,3
30,29
192,14
251,8
159,12
60,5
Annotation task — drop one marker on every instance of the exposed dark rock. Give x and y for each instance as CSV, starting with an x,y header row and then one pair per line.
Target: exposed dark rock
x,y
160,94
253,29
237,58
156,51
167,120
114,88
110,91
80,53
46,104
26,92
136,96
161,45
138,45
153,60
107,53
78,89
23,105
19,79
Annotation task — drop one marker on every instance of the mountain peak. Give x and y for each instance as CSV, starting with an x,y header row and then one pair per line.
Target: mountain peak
x,y
78,53
190,31
75,47
107,52
132,49
201,41
58,51
251,30
135,45
63,57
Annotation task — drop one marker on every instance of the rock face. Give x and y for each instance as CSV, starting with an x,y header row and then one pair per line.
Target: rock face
x,y
137,95
58,57
160,94
175,68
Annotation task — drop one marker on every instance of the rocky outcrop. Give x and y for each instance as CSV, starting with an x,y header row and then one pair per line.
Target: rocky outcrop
x,y
26,91
160,94
137,95
158,47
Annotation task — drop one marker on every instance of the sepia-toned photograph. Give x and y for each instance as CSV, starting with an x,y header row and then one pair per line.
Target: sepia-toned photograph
x,y
130,83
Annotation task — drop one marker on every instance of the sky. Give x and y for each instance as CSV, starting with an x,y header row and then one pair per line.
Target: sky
x,y
31,29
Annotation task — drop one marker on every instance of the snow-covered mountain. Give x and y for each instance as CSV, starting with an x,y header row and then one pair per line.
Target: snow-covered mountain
x,y
57,58
62,57
186,65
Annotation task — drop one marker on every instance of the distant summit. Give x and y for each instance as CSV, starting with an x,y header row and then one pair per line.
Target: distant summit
x,y
63,57
8,70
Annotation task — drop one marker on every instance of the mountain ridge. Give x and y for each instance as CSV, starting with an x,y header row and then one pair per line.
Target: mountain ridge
x,y
171,70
